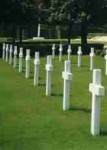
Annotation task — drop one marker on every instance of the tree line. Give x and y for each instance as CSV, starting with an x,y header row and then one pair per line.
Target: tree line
x,y
22,13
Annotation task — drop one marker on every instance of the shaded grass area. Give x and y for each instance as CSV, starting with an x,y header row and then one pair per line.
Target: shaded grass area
x,y
45,40
5,39
29,120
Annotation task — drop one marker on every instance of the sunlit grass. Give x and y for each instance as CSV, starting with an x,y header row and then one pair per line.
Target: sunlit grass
x,y
31,121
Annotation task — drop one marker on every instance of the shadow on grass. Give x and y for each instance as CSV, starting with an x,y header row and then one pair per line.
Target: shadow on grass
x,y
31,77
60,95
103,132
40,78
23,71
86,110
42,84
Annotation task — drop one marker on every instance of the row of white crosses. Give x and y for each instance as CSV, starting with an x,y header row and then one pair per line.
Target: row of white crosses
x,y
69,51
79,52
92,55
95,87
8,50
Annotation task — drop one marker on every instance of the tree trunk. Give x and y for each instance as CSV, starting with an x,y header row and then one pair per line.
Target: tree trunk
x,y
58,32
20,33
69,33
84,33
14,32
1,30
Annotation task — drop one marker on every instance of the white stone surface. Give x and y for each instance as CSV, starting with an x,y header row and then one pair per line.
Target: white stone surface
x,y
49,68
69,50
27,73
53,51
79,52
39,29
15,57
10,54
67,76
3,51
36,69
92,54
60,51
21,59
105,63
7,51
97,90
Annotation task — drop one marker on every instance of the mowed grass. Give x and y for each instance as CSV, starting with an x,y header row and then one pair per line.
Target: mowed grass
x,y
31,121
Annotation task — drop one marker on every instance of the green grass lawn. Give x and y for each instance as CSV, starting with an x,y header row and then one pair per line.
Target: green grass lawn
x,y
31,121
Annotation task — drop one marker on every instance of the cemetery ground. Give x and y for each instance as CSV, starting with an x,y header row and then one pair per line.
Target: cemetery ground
x,y
29,120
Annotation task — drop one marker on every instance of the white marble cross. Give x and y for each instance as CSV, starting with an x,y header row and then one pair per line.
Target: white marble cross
x,y
97,90
49,68
10,54
79,52
7,50
21,59
3,51
67,76
69,51
60,52
15,57
105,63
53,50
36,69
27,73
92,54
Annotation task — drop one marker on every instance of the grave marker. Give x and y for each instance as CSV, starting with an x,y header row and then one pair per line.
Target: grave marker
x,y
79,56
92,54
53,50
69,51
15,57
97,90
67,76
36,69
49,68
7,50
10,54
27,73
21,59
106,63
3,51
60,51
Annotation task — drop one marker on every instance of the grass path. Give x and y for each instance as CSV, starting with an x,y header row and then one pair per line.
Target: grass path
x,y
31,121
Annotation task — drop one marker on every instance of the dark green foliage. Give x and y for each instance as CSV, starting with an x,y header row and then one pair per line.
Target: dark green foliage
x,y
63,11
84,12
